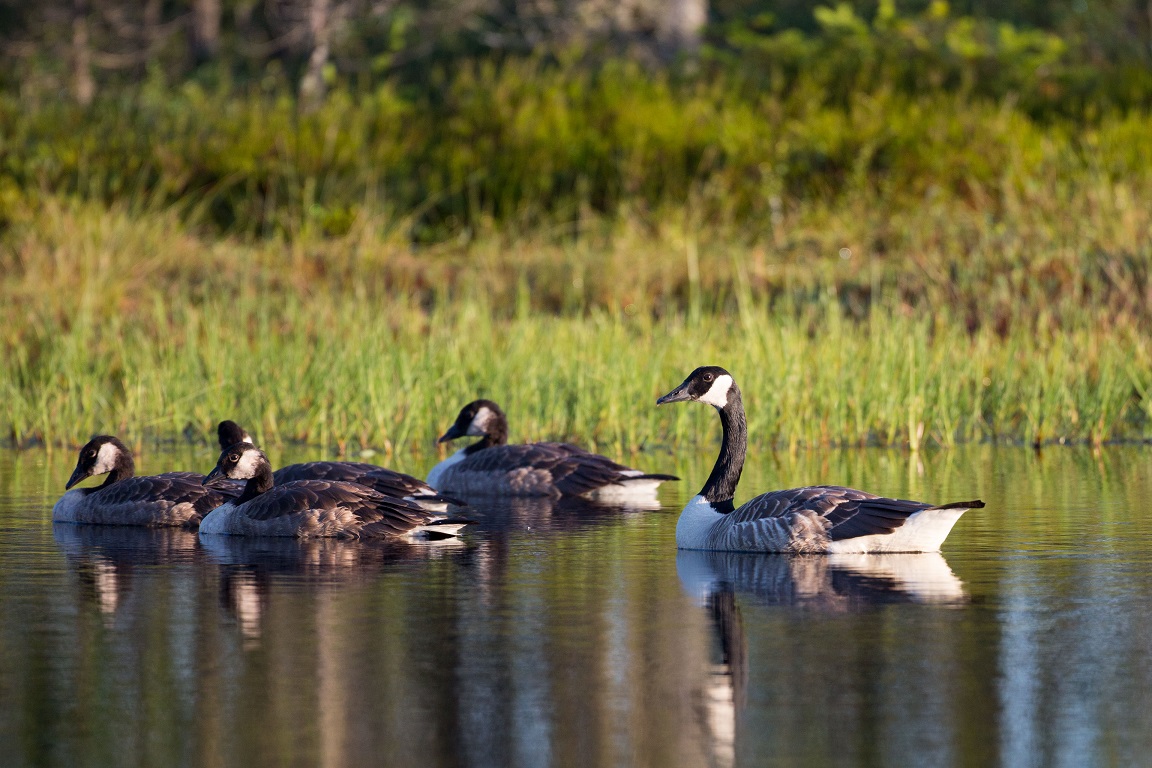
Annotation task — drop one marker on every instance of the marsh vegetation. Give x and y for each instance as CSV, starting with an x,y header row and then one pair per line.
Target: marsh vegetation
x,y
893,233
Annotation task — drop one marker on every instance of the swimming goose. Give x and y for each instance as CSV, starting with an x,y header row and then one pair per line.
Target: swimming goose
x,y
385,481
311,508
491,466
823,518
173,498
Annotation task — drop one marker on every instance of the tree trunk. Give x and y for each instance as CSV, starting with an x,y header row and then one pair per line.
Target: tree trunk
x,y
83,85
152,15
204,35
319,29
678,29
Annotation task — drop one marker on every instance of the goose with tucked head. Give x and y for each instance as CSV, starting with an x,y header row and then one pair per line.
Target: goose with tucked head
x,y
382,480
311,508
169,499
819,519
492,466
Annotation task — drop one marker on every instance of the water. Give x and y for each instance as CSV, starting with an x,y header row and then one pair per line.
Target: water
x,y
562,635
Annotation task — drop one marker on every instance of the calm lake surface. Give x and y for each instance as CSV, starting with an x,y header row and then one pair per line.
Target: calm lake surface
x,y
560,634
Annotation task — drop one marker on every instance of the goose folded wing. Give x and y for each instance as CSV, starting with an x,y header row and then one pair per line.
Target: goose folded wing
x,y
580,474
378,514
510,458
323,470
385,481
870,516
391,483
173,486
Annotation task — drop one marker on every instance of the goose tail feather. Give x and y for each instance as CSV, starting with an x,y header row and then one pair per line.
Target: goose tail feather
x,y
976,504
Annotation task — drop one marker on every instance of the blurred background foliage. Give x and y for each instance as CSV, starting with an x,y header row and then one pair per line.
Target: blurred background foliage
x,y
293,117
864,179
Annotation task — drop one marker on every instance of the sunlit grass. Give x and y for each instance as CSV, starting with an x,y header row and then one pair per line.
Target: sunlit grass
x,y
133,325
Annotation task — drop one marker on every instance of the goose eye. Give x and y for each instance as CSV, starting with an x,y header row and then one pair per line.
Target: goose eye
x,y
92,454
707,377
233,457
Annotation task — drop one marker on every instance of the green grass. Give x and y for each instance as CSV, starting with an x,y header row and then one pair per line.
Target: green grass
x,y
134,325
901,263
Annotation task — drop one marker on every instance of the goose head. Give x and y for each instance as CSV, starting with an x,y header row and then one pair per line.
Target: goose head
x,y
480,418
709,384
229,433
242,461
101,455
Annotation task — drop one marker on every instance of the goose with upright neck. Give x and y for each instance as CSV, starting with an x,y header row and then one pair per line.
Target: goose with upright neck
x,y
168,499
380,479
491,466
813,519
311,508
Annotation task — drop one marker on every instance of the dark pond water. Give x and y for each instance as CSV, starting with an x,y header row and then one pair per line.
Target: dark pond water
x,y
566,635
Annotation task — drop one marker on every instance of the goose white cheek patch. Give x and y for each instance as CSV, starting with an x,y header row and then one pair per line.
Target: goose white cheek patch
x,y
480,422
717,395
246,467
106,459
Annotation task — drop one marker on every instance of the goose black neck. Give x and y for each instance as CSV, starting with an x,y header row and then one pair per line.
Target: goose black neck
x,y
259,483
124,469
721,485
495,433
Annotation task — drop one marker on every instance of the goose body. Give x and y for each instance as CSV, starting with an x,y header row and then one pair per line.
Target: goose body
x,y
169,499
492,467
311,508
814,519
385,481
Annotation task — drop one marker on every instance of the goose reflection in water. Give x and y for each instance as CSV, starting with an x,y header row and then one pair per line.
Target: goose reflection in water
x,y
106,559
825,583
500,521
250,566
545,514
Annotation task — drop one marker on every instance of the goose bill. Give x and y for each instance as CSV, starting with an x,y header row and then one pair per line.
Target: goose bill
x,y
452,433
78,474
215,477
677,395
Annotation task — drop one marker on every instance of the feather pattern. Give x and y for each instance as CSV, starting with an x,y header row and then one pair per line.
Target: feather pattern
x,y
385,481
824,518
311,508
491,466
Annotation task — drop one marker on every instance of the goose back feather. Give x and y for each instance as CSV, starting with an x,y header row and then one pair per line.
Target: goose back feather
x,y
380,479
311,508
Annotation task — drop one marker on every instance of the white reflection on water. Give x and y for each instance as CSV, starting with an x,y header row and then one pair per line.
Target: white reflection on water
x,y
719,581
834,582
106,558
247,565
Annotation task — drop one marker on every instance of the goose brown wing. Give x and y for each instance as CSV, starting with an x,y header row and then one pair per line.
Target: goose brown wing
x,y
174,487
322,470
385,481
848,512
573,470
378,514
581,473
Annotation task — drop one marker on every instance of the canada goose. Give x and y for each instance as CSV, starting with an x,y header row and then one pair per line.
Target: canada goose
x,y
385,481
821,518
173,498
491,466
310,508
